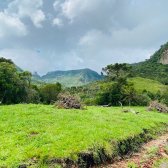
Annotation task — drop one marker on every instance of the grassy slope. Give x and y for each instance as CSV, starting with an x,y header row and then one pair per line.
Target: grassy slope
x,y
148,84
38,131
139,83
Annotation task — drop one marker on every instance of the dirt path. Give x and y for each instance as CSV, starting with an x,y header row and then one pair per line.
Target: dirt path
x,y
146,158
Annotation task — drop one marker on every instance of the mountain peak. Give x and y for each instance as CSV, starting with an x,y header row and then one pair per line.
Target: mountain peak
x,y
36,75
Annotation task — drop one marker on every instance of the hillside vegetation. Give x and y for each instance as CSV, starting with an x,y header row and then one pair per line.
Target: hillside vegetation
x,y
37,134
147,84
70,78
152,68
139,83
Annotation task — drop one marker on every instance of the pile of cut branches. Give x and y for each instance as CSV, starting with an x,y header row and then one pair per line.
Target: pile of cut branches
x,y
67,101
155,105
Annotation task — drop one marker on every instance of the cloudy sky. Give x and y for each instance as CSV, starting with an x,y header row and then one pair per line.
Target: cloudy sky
x,y
48,35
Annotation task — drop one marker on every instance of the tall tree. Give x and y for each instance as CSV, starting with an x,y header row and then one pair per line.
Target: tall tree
x,y
15,84
116,70
129,92
50,92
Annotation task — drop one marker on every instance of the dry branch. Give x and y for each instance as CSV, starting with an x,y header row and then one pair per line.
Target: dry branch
x,y
155,105
137,112
106,105
67,101
120,104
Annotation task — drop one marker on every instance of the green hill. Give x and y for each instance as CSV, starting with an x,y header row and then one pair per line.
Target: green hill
x,y
139,83
70,78
155,68
148,84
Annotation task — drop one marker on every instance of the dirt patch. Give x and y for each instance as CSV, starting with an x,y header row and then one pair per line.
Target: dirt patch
x,y
145,158
33,134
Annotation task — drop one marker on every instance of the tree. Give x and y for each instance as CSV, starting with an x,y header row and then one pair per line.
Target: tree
x,y
129,92
115,94
50,92
15,84
7,75
27,77
116,70
6,60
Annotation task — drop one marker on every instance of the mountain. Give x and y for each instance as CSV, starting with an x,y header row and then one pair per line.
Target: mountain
x,y
35,74
71,77
155,68
19,69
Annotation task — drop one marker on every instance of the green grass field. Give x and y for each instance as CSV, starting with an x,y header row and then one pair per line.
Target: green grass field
x,y
40,133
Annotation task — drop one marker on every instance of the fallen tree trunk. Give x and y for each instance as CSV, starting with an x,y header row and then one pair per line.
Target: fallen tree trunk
x,y
106,105
132,111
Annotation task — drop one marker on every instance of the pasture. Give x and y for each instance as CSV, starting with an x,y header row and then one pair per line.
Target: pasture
x,y
38,135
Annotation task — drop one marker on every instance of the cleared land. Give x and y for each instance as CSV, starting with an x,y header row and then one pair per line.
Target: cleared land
x,y
148,84
38,133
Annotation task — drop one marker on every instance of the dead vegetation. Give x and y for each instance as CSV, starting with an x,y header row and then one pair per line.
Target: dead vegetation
x,y
155,105
67,101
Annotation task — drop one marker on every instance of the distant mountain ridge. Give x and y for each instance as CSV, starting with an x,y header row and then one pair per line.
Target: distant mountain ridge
x,y
70,78
155,68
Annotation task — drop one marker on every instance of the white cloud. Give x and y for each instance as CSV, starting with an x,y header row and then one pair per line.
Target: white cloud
x,y
37,18
95,13
56,5
11,26
57,22
91,38
27,8
71,8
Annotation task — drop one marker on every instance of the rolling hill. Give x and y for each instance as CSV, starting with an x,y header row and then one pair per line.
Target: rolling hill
x,y
70,78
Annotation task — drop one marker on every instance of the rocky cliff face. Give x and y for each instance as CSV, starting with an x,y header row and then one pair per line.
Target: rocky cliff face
x,y
164,58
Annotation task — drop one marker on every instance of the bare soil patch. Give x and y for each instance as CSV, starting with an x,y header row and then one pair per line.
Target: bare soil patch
x,y
144,159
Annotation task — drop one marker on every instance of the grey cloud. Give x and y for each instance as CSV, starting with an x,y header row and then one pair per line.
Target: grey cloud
x,y
79,34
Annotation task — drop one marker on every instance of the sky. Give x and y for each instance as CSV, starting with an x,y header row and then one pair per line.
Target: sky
x,y
50,35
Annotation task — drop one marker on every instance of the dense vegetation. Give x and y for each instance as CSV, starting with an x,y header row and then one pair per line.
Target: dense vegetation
x,y
16,86
151,68
40,134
